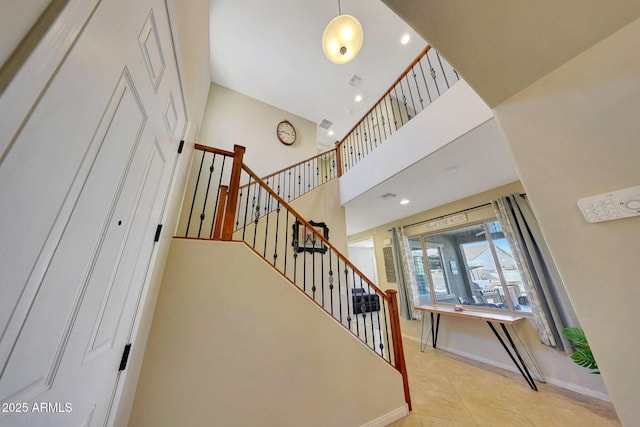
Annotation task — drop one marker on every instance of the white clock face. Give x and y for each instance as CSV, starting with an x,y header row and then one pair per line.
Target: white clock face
x,y
286,133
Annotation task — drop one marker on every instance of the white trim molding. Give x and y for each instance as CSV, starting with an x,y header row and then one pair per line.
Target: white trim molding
x,y
389,417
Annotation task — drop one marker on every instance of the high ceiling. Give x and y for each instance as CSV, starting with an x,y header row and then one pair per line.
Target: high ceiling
x,y
271,51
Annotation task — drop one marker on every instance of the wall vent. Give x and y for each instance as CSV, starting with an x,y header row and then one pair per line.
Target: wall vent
x,y
325,124
387,196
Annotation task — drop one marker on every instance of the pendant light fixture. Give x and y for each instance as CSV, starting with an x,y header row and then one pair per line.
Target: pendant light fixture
x,y
342,38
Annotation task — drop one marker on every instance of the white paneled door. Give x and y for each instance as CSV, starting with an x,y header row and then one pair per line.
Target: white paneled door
x,y
83,186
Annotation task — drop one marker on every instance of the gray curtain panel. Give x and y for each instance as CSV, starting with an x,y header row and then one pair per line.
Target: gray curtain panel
x,y
405,274
550,303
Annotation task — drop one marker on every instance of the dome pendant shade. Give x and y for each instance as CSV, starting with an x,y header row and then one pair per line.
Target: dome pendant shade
x,y
342,39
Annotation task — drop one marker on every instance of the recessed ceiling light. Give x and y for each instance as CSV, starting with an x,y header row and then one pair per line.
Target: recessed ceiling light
x,y
358,98
405,201
405,39
330,133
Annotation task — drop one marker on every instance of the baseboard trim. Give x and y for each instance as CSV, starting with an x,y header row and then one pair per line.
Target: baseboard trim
x,y
559,383
388,418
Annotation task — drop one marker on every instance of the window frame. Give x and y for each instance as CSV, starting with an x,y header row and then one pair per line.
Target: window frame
x,y
464,268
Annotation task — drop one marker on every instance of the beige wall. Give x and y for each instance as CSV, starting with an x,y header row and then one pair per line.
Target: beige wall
x,y
232,118
474,339
323,205
573,134
221,352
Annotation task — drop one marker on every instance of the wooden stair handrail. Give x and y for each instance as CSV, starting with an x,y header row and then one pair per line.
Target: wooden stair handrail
x,y
318,235
213,150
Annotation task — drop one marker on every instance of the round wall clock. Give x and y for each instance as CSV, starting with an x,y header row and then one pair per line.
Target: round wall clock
x,y
286,132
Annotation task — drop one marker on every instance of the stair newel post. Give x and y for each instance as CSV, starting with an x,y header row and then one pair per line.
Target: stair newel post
x,y
232,195
338,159
396,336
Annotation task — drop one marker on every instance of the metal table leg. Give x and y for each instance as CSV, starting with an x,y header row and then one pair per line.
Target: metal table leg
x,y
434,335
522,367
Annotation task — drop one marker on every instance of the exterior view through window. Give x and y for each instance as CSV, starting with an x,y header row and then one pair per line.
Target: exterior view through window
x,y
471,265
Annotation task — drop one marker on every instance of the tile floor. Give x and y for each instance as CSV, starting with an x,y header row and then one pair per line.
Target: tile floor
x,y
451,391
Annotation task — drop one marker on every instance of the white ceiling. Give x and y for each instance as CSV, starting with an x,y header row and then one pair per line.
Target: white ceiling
x,y
271,51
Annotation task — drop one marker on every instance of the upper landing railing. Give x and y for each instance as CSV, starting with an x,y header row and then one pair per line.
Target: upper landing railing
x,y
424,80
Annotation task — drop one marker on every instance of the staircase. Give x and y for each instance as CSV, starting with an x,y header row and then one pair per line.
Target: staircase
x,y
229,202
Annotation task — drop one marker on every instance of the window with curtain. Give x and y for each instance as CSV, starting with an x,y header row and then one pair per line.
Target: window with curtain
x,y
473,265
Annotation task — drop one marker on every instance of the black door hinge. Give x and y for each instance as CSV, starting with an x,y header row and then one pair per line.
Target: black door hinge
x,y
158,231
180,147
125,357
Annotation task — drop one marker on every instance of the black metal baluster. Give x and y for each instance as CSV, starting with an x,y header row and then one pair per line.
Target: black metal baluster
x,y
331,281
371,311
425,81
347,152
299,181
386,326
381,345
289,187
415,80
286,241
239,205
369,124
322,273
275,245
363,312
206,195
433,74
339,287
442,68
304,260
352,151
246,208
267,211
353,277
379,119
256,217
295,242
411,94
395,91
313,267
386,108
327,168
279,182
310,177
215,207
346,283
195,192
404,100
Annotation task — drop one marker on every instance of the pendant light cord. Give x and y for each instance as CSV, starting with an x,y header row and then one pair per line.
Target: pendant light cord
x,y
339,10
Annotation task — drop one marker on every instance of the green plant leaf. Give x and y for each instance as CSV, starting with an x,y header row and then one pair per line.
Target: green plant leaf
x,y
583,355
576,335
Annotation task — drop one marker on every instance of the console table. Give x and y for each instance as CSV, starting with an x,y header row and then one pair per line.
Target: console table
x,y
502,319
